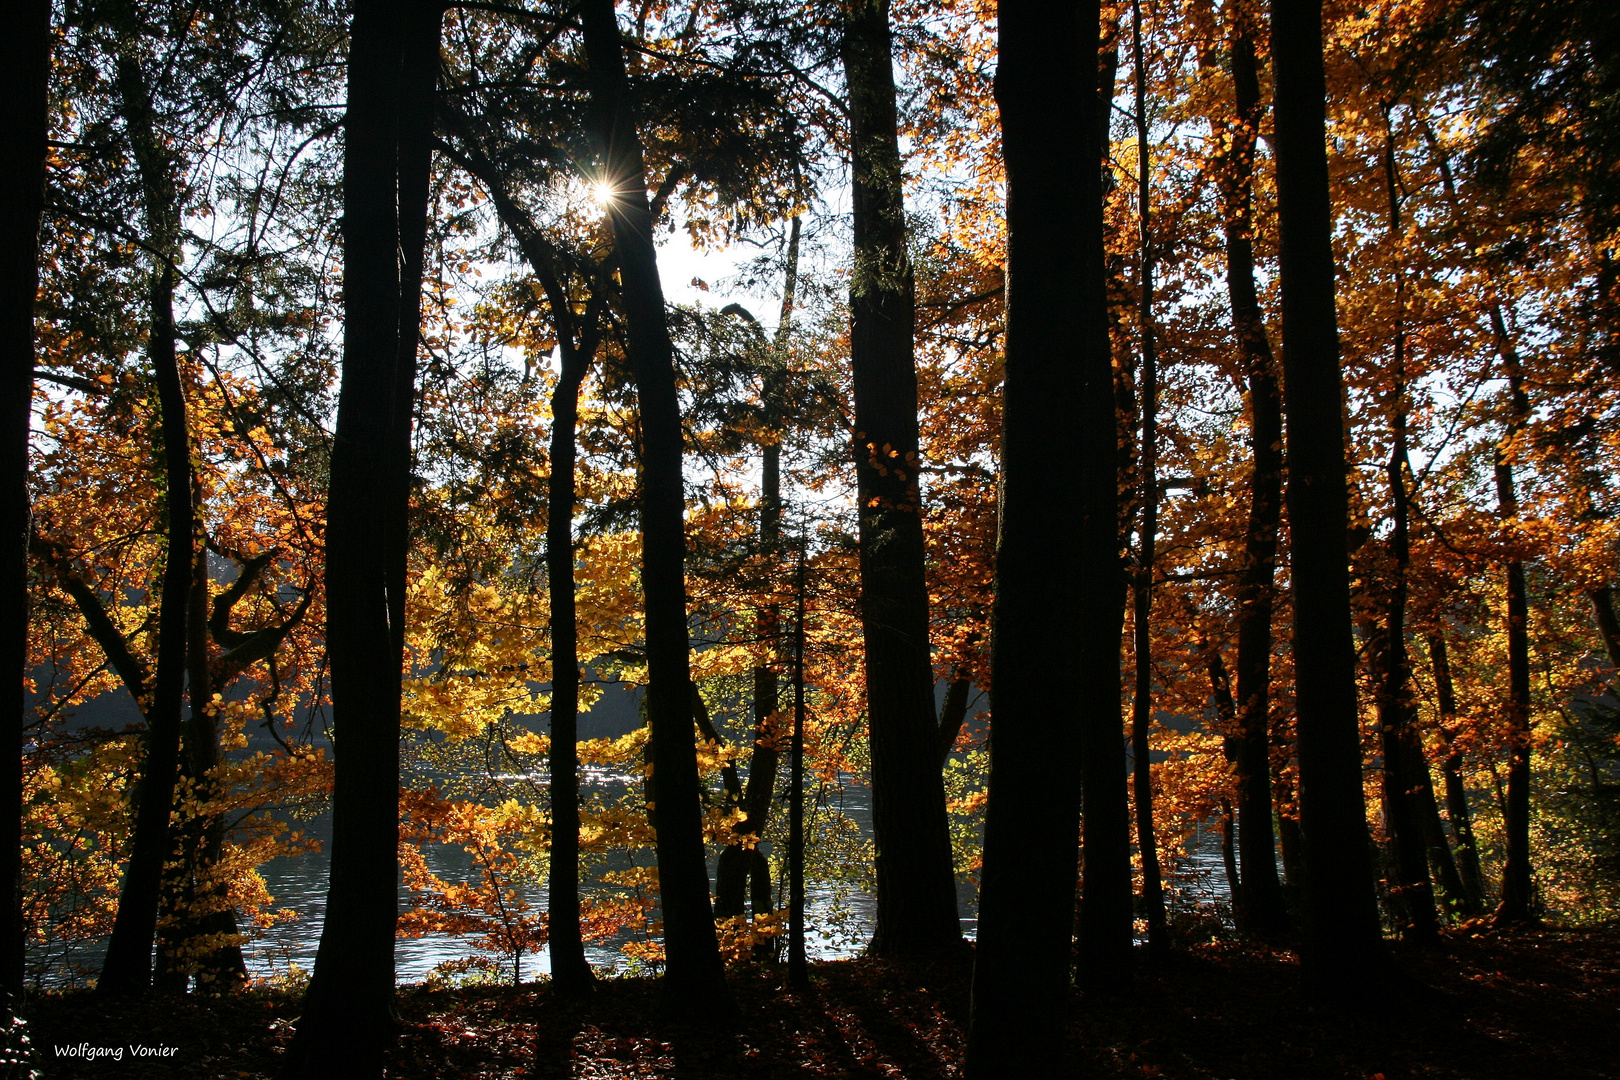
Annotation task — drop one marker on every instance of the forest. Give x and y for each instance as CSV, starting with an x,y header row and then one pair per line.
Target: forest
x,y
707,538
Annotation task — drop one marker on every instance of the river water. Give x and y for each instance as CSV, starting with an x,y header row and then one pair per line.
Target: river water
x,y
838,922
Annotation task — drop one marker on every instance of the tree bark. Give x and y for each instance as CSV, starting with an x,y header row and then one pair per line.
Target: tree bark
x,y
1047,95
798,964
742,862
1462,826
1397,713
128,965
347,1019
916,885
1260,908
1142,700
1344,950
694,976
25,61
1518,900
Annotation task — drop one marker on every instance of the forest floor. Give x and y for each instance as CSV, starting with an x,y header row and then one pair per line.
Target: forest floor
x,y
1533,1005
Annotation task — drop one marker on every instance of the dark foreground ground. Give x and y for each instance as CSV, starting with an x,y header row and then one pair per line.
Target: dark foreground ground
x,y
1540,1005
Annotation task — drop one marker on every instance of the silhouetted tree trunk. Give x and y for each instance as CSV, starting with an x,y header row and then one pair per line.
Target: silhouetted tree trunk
x,y
694,977
347,1018
25,60
1142,701
1397,714
1518,900
578,336
798,965
1048,101
570,972
1259,907
916,885
741,862
1462,826
128,966
1343,947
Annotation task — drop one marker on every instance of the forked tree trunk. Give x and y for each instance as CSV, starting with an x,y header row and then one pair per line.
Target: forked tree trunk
x,y
1397,713
1344,951
347,1021
694,976
128,966
916,885
1048,101
25,60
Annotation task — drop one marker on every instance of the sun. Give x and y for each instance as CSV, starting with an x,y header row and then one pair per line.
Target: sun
x,y
602,193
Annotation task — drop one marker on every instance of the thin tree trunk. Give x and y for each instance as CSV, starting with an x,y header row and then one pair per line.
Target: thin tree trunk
x,y
1518,901
694,976
347,1021
1397,713
1142,701
1462,826
739,865
1517,895
570,972
1048,103
916,885
25,61
1344,950
1260,908
798,966
128,966
578,336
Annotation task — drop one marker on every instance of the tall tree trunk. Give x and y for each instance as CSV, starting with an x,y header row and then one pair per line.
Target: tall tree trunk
x,y
347,1019
742,862
128,966
570,972
1397,713
1518,899
1260,908
1106,910
798,965
1343,949
694,976
1517,895
25,62
916,885
1142,701
1049,111
1462,826
578,336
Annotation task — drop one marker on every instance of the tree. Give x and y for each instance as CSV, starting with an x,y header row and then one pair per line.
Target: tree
x,y
128,966
916,888
694,978
1260,902
1343,944
25,78
1046,93
1142,587
393,64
